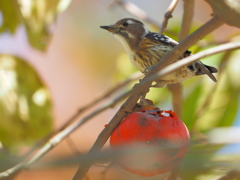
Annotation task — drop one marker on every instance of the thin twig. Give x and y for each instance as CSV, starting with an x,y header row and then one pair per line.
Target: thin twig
x,y
126,107
210,96
187,19
188,60
99,99
177,89
72,145
101,156
80,111
168,15
149,77
233,174
173,67
63,134
177,97
60,136
136,11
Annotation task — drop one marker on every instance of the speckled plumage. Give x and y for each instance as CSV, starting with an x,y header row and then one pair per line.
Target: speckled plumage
x,y
146,49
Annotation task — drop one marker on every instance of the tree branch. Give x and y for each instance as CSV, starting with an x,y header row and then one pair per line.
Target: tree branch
x,y
144,84
187,19
177,89
99,99
168,15
177,97
79,112
54,141
136,11
210,96
235,173
131,101
169,69
188,60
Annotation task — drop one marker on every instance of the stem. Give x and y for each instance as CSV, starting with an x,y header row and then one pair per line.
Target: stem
x,y
235,173
177,97
177,89
136,11
191,59
192,39
54,141
187,19
168,15
207,28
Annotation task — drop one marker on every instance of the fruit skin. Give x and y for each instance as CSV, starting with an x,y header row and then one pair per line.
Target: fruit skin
x,y
151,129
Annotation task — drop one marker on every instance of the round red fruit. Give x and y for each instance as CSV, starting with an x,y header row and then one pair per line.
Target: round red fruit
x,y
160,141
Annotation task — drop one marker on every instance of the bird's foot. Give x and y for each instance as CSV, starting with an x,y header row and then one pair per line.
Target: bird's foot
x,y
158,84
148,69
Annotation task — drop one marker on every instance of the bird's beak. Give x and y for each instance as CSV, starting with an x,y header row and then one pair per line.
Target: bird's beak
x,y
109,28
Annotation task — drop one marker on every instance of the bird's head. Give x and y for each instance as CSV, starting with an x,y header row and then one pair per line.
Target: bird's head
x,y
127,28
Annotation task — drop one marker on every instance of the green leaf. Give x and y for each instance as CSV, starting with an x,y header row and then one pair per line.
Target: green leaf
x,y
190,105
223,108
229,112
34,15
201,158
11,15
37,16
25,106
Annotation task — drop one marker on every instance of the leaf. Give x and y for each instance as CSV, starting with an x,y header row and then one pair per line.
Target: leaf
x,y
34,15
25,106
229,112
223,108
190,105
7,160
201,158
11,15
37,16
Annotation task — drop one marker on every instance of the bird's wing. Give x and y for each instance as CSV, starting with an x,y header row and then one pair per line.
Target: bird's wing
x,y
164,40
161,39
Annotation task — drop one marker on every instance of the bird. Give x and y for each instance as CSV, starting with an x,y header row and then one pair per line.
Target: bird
x,y
145,49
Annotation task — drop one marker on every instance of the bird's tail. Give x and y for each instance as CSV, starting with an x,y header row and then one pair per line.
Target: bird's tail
x,y
204,69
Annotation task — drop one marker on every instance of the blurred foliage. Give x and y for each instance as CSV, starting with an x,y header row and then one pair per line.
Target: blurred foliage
x,y
7,160
207,105
11,15
25,105
35,16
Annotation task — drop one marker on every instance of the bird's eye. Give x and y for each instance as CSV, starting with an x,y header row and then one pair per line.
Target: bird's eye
x,y
125,24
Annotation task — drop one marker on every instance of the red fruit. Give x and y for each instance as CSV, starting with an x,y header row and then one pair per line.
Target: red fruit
x,y
150,129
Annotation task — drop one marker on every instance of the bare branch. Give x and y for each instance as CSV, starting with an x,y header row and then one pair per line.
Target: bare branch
x,y
136,11
229,11
177,98
99,99
176,89
187,19
235,173
169,69
210,96
80,111
126,107
168,15
188,60
60,137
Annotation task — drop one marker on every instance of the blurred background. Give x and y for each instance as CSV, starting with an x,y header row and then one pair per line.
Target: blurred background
x,y
54,59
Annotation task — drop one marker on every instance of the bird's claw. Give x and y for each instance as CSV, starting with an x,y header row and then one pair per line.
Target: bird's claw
x,y
159,84
148,69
